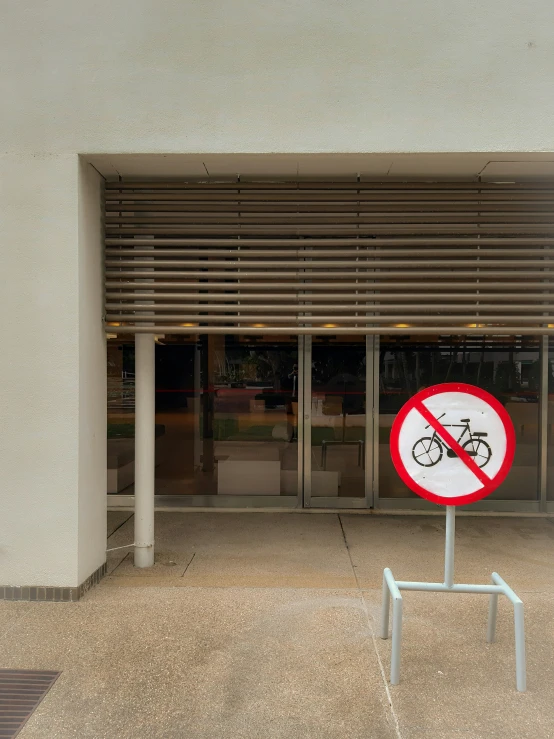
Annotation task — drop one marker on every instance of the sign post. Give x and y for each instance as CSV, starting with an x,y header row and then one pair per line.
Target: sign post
x,y
452,461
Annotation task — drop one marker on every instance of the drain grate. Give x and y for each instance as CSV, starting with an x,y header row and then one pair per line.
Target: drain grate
x,y
20,693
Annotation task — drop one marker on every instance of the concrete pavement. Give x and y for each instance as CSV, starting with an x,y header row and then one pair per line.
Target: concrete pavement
x,y
263,625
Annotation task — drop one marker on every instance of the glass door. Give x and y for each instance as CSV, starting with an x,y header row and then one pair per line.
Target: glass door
x,y
338,448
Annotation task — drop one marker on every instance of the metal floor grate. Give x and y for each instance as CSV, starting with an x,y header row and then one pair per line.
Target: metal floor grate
x,y
20,693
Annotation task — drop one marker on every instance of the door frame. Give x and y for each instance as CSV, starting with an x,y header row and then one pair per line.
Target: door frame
x,y
308,500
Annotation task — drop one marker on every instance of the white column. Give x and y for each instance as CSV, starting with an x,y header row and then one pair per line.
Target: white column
x,y
145,439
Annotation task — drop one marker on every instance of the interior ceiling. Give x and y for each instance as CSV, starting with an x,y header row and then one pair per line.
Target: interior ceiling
x,y
488,166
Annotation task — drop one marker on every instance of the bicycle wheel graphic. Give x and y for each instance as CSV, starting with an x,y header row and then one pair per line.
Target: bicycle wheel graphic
x,y
479,450
427,451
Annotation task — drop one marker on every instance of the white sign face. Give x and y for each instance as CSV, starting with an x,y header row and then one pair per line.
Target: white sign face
x,y
452,443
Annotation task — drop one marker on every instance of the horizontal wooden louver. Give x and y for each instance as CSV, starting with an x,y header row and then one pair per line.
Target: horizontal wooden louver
x,y
330,257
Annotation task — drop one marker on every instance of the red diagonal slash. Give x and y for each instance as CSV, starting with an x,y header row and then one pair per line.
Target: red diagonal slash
x,y
452,443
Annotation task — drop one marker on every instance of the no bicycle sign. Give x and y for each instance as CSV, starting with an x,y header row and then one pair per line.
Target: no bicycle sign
x,y
453,443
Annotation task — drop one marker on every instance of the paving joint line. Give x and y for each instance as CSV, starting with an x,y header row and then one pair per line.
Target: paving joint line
x,y
189,564
17,621
120,525
109,574
372,632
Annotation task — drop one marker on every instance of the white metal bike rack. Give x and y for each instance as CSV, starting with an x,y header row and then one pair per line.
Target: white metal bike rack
x,y
392,588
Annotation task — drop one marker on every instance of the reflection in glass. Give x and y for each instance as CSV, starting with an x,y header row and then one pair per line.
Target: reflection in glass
x,y
507,368
121,417
226,418
550,419
338,420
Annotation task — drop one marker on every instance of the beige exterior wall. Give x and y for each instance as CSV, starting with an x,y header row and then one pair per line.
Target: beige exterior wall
x,y
199,76
265,76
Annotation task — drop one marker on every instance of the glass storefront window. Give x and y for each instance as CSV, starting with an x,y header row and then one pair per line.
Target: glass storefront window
x,y
121,416
226,417
550,421
227,410
507,368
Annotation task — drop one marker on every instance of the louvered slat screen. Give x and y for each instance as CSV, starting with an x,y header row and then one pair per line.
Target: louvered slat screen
x,y
330,257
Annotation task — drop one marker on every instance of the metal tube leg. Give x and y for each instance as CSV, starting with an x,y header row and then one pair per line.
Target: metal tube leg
x,y
396,640
493,610
519,627
491,623
385,608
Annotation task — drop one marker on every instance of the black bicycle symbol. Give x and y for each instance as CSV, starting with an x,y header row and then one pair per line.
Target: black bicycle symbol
x,y
428,450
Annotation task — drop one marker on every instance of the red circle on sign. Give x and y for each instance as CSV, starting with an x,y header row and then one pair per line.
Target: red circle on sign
x,y
492,483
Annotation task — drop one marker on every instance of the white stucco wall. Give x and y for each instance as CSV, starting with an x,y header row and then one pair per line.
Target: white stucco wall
x,y
92,511
266,76
200,76
52,373
39,371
